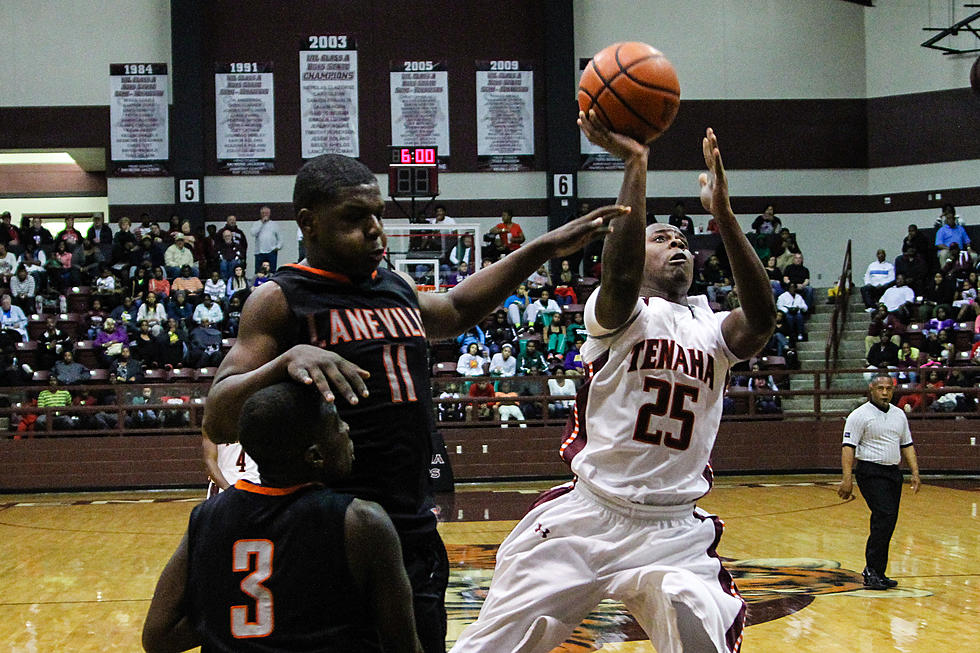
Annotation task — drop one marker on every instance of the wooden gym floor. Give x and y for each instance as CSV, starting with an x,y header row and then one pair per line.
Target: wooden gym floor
x,y
77,570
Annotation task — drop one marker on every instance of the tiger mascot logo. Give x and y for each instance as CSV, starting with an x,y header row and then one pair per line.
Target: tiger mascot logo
x,y
772,588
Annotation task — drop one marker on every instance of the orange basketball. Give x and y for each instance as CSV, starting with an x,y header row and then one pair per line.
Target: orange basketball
x,y
633,89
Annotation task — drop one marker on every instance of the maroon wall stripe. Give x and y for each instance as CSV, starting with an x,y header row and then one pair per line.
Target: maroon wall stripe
x,y
660,207
756,134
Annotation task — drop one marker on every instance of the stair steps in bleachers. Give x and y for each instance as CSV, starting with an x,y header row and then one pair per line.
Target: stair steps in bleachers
x,y
851,355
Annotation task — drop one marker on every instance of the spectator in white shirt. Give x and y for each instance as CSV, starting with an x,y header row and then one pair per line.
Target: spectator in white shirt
x,y
791,304
153,312
897,298
471,363
561,386
215,287
12,317
503,363
879,276
445,238
23,288
544,308
8,263
209,309
268,242
177,256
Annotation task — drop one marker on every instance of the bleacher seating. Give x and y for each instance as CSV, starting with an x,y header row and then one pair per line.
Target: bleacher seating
x,y
86,354
444,368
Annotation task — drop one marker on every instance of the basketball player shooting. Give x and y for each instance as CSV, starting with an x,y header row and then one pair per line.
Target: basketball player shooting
x,y
359,333
638,442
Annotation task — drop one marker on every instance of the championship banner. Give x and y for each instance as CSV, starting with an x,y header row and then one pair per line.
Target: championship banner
x,y
139,118
504,115
244,116
593,156
420,104
328,96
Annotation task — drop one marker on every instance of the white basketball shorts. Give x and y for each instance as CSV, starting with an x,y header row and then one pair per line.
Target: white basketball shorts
x,y
573,551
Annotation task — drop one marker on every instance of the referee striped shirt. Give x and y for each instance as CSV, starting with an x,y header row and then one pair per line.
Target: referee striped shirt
x,y
876,435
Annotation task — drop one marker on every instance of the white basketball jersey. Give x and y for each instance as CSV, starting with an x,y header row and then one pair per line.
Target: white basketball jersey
x,y
235,464
645,422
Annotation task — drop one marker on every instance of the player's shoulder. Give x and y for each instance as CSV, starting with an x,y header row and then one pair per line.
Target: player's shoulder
x,y
367,520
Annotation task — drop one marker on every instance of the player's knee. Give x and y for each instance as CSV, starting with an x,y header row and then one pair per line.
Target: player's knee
x,y
691,630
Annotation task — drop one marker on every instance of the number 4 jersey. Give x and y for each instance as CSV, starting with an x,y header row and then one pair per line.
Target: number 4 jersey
x,y
646,419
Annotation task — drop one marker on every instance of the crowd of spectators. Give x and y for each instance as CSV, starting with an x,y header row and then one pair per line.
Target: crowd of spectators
x,y
167,297
144,297
924,314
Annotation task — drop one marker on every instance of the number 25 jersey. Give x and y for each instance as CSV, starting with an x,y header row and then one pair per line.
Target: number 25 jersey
x,y
645,421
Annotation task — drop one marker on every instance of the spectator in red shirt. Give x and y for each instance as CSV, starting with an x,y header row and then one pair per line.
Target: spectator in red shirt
x,y
483,410
509,235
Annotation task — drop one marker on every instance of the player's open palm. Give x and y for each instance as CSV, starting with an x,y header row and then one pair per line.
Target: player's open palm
x,y
572,236
329,372
620,146
714,183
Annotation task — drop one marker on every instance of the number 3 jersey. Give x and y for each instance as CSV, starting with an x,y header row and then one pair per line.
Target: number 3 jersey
x,y
645,421
267,570
376,324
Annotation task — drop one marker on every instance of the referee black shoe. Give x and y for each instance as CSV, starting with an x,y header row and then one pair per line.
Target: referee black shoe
x,y
873,580
888,581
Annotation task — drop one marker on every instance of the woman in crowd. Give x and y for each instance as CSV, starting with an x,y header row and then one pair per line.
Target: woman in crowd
x,y
110,341
237,282
471,363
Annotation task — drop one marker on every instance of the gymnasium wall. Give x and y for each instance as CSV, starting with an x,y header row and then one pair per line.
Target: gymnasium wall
x,y
942,445
831,109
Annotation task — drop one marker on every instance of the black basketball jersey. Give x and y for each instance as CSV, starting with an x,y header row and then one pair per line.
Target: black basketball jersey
x,y
376,324
267,571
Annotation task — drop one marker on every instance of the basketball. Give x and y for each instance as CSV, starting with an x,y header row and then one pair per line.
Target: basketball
x,y
633,89
975,76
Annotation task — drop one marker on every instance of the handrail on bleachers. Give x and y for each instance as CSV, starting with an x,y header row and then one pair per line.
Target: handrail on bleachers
x,y
838,321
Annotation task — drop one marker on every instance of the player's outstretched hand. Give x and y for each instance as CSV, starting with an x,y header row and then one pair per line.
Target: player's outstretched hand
x,y
573,235
620,146
330,373
714,183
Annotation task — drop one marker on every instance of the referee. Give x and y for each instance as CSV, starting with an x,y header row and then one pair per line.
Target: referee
x,y
877,435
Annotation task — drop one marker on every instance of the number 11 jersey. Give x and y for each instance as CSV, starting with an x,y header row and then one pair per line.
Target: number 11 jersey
x,y
645,421
376,324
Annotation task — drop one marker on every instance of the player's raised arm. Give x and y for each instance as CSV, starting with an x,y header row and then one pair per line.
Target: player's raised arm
x,y
624,250
167,628
449,314
748,328
375,557
254,362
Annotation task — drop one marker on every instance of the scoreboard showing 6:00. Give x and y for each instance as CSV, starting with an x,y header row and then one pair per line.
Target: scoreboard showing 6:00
x,y
413,171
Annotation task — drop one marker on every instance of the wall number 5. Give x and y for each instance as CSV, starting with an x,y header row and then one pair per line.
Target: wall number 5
x,y
189,191
670,397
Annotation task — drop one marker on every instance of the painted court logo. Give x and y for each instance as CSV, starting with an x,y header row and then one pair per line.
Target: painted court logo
x,y
772,588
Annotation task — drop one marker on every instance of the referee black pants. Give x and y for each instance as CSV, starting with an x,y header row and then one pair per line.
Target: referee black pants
x,y
881,487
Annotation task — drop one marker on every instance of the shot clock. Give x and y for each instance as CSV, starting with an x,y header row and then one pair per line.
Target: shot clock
x,y
413,171
413,156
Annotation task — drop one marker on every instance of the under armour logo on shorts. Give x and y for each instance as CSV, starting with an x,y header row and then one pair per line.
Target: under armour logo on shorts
x,y
541,529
